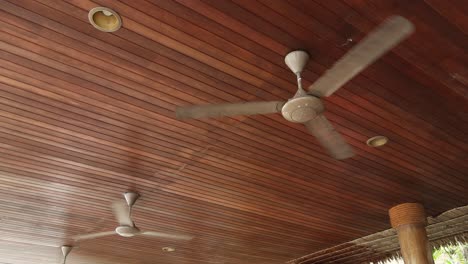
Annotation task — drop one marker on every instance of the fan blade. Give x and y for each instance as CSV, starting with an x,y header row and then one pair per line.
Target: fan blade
x,y
373,46
329,138
94,235
164,235
219,110
122,213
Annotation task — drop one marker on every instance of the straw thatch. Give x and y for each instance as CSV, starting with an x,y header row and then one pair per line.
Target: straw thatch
x,y
448,228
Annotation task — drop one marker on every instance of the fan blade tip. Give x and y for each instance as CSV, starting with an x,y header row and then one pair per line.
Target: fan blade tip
x,y
329,138
180,113
405,25
345,152
179,116
186,237
398,19
379,41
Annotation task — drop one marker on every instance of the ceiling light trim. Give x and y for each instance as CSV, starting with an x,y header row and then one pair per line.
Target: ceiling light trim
x,y
99,22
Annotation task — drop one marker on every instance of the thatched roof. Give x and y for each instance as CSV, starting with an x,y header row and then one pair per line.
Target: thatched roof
x,y
447,228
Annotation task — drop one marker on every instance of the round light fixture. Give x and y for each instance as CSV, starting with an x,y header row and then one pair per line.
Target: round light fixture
x,y
168,249
104,19
377,141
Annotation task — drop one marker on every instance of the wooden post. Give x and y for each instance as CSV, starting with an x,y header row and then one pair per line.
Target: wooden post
x,y
409,220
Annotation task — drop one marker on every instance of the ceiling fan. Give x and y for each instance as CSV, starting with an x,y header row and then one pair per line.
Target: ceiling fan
x,y
307,107
127,228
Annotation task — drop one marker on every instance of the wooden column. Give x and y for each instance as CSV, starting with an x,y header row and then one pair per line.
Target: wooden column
x,y
409,220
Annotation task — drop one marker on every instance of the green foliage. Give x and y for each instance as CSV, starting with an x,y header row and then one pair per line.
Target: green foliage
x,y
454,254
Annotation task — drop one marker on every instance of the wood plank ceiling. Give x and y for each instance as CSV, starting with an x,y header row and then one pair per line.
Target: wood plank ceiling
x,y
87,115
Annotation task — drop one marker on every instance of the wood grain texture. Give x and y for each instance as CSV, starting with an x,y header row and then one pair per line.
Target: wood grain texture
x,y
87,115
409,220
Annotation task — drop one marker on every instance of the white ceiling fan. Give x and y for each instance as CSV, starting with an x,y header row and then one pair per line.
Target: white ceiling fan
x,y
127,228
307,107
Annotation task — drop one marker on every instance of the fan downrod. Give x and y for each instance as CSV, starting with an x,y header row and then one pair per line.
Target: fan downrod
x,y
66,249
131,198
302,107
296,60
126,230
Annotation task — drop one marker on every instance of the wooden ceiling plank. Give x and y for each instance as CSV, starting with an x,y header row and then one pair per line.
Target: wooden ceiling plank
x,y
357,20
282,8
161,226
86,115
239,197
273,17
362,23
140,215
261,210
330,215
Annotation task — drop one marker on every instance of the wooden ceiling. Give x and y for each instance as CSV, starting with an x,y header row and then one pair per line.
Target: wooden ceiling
x,y
87,115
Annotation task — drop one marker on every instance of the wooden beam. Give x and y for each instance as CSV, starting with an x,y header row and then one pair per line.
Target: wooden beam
x,y
409,219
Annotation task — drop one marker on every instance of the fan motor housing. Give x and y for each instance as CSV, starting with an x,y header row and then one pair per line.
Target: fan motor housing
x,y
127,231
302,109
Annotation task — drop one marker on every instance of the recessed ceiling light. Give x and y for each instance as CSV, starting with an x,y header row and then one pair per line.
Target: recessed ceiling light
x,y
104,19
168,249
377,141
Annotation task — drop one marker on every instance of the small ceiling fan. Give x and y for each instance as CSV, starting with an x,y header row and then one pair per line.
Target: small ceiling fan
x,y
127,228
307,107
